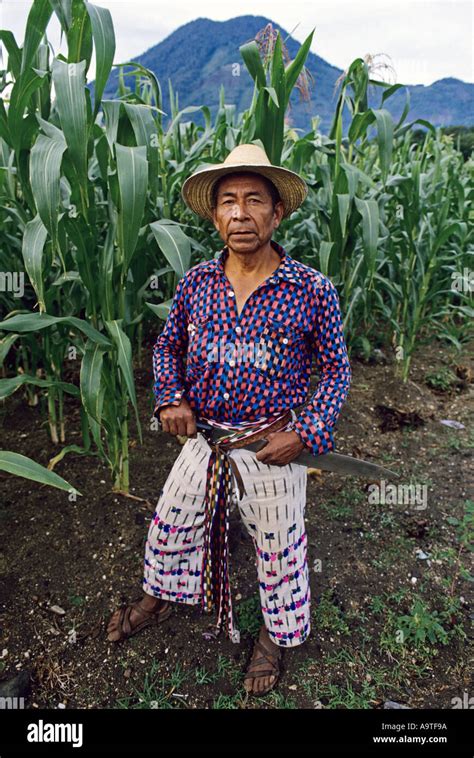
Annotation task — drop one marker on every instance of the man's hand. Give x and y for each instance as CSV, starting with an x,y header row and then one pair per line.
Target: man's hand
x,y
282,448
178,419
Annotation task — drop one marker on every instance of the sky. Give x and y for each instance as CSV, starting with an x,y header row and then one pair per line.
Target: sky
x,y
423,40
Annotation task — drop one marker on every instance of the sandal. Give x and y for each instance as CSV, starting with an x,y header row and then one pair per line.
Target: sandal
x,y
266,657
151,617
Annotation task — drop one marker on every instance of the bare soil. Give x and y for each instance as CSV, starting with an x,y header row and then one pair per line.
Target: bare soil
x,y
86,556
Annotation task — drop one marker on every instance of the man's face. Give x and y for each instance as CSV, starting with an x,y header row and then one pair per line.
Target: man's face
x,y
244,215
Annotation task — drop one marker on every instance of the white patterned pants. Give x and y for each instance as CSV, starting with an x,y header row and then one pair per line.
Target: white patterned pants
x,y
273,512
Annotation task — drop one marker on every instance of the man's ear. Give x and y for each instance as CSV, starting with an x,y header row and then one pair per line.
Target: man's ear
x,y
279,210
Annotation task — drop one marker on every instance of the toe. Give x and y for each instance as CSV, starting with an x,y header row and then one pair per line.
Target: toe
x,y
112,627
266,682
252,685
113,621
263,683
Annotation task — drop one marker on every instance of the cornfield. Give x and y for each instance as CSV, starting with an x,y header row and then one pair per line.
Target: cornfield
x,y
95,236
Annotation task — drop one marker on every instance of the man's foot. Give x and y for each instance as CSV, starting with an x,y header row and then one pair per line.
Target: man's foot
x,y
263,671
130,619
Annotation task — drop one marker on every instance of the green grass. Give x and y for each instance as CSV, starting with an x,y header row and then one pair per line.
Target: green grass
x,y
228,702
344,695
203,676
341,505
158,691
275,699
326,615
397,550
226,668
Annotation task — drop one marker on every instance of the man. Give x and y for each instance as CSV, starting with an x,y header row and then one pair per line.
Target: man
x,y
236,351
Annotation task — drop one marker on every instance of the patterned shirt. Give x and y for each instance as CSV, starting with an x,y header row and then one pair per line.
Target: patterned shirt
x,y
236,369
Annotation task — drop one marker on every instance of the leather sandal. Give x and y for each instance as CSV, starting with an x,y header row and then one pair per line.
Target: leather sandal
x,y
124,626
266,657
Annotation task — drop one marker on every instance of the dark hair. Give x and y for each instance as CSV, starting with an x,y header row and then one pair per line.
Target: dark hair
x,y
274,194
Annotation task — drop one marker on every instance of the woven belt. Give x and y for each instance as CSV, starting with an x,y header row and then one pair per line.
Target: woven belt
x,y
215,581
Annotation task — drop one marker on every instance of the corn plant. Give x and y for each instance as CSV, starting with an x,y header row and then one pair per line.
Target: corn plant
x,y
365,191
265,119
92,216
89,189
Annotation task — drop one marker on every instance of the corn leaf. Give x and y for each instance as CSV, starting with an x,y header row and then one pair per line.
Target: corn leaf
x,y
132,170
45,167
69,84
20,465
30,322
104,41
174,244
32,249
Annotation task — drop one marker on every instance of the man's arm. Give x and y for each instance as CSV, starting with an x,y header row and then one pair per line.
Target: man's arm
x,y
169,354
315,423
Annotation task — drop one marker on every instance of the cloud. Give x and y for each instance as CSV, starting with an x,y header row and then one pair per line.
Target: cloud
x,y
426,39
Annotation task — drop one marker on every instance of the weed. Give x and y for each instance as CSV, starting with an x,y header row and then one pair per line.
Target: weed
x,y
443,379
420,625
249,615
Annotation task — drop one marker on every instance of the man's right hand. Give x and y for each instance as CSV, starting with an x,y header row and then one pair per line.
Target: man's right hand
x,y
178,419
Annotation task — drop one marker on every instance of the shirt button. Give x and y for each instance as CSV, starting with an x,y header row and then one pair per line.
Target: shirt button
x,y
285,341
226,396
231,293
238,329
231,363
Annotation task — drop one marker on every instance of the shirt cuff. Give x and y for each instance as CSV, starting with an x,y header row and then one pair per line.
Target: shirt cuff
x,y
167,397
315,435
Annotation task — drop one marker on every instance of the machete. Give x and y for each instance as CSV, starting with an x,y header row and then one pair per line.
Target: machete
x,y
341,464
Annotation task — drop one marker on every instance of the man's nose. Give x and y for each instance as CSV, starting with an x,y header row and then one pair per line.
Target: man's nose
x,y
239,210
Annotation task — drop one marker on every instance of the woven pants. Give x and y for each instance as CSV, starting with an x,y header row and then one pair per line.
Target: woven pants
x,y
273,512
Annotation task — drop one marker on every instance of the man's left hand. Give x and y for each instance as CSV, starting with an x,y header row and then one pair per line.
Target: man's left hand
x,y
281,449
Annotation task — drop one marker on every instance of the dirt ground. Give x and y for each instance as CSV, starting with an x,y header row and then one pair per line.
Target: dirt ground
x,y
382,575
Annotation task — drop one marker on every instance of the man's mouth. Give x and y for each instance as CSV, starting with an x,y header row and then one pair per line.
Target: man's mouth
x,y
241,233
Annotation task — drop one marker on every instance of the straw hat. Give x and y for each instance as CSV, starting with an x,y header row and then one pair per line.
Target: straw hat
x,y
197,189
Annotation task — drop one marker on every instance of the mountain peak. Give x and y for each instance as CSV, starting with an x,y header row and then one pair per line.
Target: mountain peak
x,y
200,56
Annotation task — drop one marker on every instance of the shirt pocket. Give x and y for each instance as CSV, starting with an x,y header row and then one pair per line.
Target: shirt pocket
x,y
201,339
280,350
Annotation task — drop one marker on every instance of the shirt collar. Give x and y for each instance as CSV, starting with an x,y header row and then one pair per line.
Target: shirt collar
x,y
286,270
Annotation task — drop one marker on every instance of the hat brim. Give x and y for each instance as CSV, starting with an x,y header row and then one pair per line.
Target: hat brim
x,y
197,189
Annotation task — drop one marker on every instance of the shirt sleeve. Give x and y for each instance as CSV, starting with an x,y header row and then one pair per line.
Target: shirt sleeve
x,y
169,353
315,424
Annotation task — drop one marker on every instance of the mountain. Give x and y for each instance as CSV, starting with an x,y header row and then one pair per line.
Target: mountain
x,y
200,56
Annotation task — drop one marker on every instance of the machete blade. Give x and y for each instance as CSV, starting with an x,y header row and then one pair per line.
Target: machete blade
x,y
340,464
